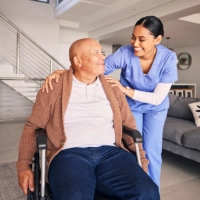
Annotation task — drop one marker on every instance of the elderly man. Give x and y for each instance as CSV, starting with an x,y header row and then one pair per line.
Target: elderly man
x,y
83,117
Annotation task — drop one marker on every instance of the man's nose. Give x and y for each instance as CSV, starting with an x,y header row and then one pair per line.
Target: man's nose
x,y
102,56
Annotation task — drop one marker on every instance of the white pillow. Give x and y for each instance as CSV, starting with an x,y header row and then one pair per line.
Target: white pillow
x,y
195,108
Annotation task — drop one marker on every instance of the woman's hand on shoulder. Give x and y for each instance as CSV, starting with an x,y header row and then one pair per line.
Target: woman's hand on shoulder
x,y
125,90
48,81
115,83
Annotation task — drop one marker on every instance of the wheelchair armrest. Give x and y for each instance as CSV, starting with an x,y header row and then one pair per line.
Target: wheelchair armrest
x,y
135,134
41,137
40,164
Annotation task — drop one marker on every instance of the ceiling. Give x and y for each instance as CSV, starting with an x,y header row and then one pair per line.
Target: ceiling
x,y
112,21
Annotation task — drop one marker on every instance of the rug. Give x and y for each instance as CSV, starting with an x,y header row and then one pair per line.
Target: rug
x,y
9,189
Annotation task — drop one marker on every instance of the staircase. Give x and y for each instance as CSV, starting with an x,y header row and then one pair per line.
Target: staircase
x,y
26,88
23,65
13,106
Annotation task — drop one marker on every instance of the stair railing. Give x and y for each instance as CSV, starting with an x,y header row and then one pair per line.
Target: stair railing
x,y
28,60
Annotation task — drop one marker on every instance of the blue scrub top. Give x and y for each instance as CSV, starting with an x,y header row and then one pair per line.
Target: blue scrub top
x,y
163,70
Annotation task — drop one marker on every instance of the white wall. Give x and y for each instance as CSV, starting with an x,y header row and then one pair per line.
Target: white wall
x,y
36,20
191,75
108,50
67,37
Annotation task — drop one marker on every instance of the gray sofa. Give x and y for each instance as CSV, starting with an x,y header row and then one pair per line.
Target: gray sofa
x,y
180,135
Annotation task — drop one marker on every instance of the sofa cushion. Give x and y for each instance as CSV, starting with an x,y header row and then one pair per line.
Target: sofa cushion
x,y
179,107
175,128
192,139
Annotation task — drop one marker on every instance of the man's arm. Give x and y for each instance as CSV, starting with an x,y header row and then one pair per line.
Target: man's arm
x,y
38,119
27,148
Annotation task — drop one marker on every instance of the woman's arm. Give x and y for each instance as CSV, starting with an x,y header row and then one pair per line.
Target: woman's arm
x,y
116,60
48,81
155,98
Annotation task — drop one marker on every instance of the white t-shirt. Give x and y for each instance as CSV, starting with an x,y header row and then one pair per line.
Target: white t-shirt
x,y
88,120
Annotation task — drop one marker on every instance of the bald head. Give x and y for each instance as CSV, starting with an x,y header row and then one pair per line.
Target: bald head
x,y
78,47
86,59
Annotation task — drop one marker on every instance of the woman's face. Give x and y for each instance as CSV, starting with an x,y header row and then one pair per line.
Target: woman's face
x,y
143,42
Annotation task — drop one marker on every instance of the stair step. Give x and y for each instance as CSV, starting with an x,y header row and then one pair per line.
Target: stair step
x,y
20,83
28,89
10,104
25,89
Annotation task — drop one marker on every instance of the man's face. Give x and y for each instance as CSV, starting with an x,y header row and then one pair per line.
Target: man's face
x,y
92,57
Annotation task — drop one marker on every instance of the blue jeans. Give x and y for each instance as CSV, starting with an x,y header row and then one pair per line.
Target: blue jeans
x,y
76,173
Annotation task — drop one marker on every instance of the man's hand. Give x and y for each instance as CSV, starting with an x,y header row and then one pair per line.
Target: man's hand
x,y
26,181
48,81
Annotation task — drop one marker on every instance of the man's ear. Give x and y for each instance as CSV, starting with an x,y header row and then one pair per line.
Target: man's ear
x,y
77,61
158,39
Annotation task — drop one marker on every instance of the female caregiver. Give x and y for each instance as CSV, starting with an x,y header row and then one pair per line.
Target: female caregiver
x,y
147,71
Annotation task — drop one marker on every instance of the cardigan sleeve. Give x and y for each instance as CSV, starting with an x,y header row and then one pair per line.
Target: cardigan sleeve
x,y
39,118
129,121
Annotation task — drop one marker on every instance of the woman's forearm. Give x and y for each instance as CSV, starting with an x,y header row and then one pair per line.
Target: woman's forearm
x,y
155,98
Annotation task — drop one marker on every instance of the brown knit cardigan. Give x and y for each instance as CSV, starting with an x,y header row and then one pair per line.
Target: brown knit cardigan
x,y
48,113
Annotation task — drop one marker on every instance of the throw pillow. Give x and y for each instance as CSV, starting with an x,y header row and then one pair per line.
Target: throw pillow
x,y
195,108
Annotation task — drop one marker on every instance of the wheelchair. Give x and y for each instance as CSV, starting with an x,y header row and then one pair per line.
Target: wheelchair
x,y
41,188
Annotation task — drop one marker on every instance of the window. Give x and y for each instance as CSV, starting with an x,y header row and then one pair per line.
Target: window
x,y
43,1
59,1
